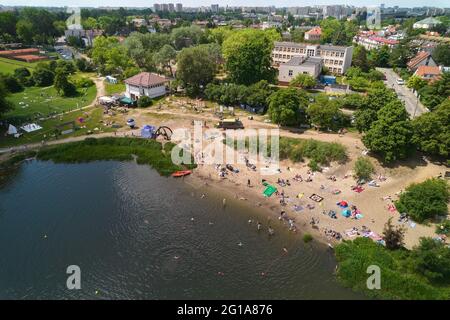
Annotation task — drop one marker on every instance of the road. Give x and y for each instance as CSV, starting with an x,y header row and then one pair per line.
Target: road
x,y
412,103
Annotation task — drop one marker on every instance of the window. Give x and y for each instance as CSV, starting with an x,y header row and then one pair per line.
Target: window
x,y
290,73
342,54
340,62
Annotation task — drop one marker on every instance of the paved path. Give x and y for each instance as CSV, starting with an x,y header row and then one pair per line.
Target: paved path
x,y
414,107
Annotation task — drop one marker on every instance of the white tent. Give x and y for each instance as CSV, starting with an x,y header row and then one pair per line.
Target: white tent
x,y
105,100
31,127
12,130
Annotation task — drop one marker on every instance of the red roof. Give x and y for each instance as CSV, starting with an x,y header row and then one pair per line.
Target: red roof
x,y
18,52
432,71
384,40
315,31
422,55
145,79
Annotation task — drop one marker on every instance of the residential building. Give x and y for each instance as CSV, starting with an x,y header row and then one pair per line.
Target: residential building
x,y
426,23
179,7
145,84
373,42
336,58
215,8
429,73
171,7
422,58
299,65
313,34
157,7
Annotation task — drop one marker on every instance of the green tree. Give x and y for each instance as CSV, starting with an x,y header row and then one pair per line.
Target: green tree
x,y
432,131
248,56
363,168
360,58
11,83
8,21
185,36
196,67
144,102
303,81
442,54
390,135
415,83
380,57
326,115
393,236
435,93
43,76
431,258
165,56
25,31
62,84
298,35
426,200
288,107
5,104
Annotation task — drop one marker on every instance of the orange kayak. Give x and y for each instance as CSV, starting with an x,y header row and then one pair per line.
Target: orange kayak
x,y
181,173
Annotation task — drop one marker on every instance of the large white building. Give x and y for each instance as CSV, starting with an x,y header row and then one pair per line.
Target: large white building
x,y
336,58
145,84
427,23
299,65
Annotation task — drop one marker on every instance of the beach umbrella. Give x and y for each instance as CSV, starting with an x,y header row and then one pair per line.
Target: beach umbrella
x,y
343,204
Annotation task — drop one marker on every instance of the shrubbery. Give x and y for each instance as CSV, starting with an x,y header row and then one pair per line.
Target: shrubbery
x,y
426,200
363,168
144,102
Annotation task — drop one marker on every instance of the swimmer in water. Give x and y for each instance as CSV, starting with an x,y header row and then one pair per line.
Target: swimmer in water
x,y
240,244
192,219
259,226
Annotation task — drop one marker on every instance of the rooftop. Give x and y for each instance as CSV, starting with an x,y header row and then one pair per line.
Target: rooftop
x,y
145,79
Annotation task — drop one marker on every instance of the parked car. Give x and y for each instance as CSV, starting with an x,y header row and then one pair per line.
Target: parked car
x,y
400,81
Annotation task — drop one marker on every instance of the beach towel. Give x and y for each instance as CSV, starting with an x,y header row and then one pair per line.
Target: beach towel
x,y
358,189
359,216
392,208
300,195
336,191
342,204
316,197
270,190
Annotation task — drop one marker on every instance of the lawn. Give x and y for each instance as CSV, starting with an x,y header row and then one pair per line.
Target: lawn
x,y
36,102
92,117
9,65
112,88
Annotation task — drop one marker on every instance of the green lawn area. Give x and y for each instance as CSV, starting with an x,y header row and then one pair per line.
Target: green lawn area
x,y
92,118
112,88
37,102
9,65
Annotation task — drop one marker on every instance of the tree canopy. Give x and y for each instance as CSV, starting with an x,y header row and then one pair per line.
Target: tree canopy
x,y
288,107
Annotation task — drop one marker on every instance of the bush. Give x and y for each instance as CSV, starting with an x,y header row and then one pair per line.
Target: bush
x,y
307,238
426,200
11,83
363,168
443,228
314,166
85,83
144,102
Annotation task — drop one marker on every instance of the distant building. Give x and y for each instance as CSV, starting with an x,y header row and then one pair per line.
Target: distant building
x,y
427,23
145,84
373,42
179,7
215,8
422,58
157,7
313,34
336,58
299,65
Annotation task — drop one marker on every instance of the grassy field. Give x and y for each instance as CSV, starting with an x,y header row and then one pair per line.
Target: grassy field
x,y
36,102
112,88
9,65
92,117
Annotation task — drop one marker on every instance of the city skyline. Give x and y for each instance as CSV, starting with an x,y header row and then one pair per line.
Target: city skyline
x,y
221,3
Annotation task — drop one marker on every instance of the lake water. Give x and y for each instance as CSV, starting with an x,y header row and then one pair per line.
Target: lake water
x,y
131,233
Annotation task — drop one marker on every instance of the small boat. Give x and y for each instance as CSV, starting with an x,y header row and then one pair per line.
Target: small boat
x,y
181,173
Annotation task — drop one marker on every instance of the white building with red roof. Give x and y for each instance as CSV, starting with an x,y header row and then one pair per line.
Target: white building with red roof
x,y
313,34
145,84
422,58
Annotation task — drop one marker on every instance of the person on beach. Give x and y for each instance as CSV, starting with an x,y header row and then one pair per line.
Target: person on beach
x,y
248,183
271,231
258,226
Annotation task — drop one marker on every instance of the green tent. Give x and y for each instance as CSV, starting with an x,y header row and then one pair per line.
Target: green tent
x,y
269,191
126,100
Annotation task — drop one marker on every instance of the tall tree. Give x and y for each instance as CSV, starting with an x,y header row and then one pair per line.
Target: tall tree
x,y
5,104
248,56
165,56
390,135
196,67
288,107
360,58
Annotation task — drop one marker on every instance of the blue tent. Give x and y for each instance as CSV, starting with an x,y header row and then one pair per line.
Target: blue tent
x,y
346,213
148,131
